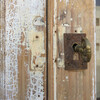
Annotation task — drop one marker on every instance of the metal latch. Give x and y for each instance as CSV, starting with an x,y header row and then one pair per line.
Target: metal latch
x,y
77,51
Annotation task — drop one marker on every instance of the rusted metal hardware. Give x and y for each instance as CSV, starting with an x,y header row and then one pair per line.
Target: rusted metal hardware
x,y
84,49
77,51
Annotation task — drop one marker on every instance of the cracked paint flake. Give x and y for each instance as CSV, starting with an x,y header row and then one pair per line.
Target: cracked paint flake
x,y
67,2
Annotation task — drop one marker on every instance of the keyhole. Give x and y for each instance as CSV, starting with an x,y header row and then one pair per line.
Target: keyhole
x,y
75,56
74,45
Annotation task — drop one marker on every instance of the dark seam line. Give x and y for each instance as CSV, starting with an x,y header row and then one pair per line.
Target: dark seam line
x,y
46,49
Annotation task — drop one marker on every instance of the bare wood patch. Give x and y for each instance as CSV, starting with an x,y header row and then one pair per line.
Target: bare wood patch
x,y
73,16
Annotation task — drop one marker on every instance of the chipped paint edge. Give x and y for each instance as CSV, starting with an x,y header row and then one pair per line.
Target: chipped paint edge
x,y
94,76
55,49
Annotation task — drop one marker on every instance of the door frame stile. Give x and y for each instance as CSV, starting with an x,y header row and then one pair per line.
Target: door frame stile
x,y
46,49
50,49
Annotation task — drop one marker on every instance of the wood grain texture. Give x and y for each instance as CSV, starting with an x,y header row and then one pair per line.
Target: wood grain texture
x,y
23,71
2,49
50,50
70,16
23,76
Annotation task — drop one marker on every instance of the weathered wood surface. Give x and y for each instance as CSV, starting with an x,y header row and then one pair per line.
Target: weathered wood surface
x,y
2,49
25,50
70,16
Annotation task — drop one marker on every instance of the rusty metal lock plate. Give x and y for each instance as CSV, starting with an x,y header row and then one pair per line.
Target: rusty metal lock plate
x,y
73,60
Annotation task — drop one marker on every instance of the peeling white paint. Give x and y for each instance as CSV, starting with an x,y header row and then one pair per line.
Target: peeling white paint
x,y
79,29
2,47
93,91
94,74
66,25
79,15
12,40
55,48
38,21
67,2
60,63
62,30
20,15
63,80
71,19
66,77
65,12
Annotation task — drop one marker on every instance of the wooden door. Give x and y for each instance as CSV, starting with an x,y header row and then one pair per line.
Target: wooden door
x,y
70,16
29,28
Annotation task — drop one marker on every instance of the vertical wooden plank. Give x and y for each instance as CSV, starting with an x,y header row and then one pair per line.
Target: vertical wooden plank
x,y
2,49
72,16
25,50
50,51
